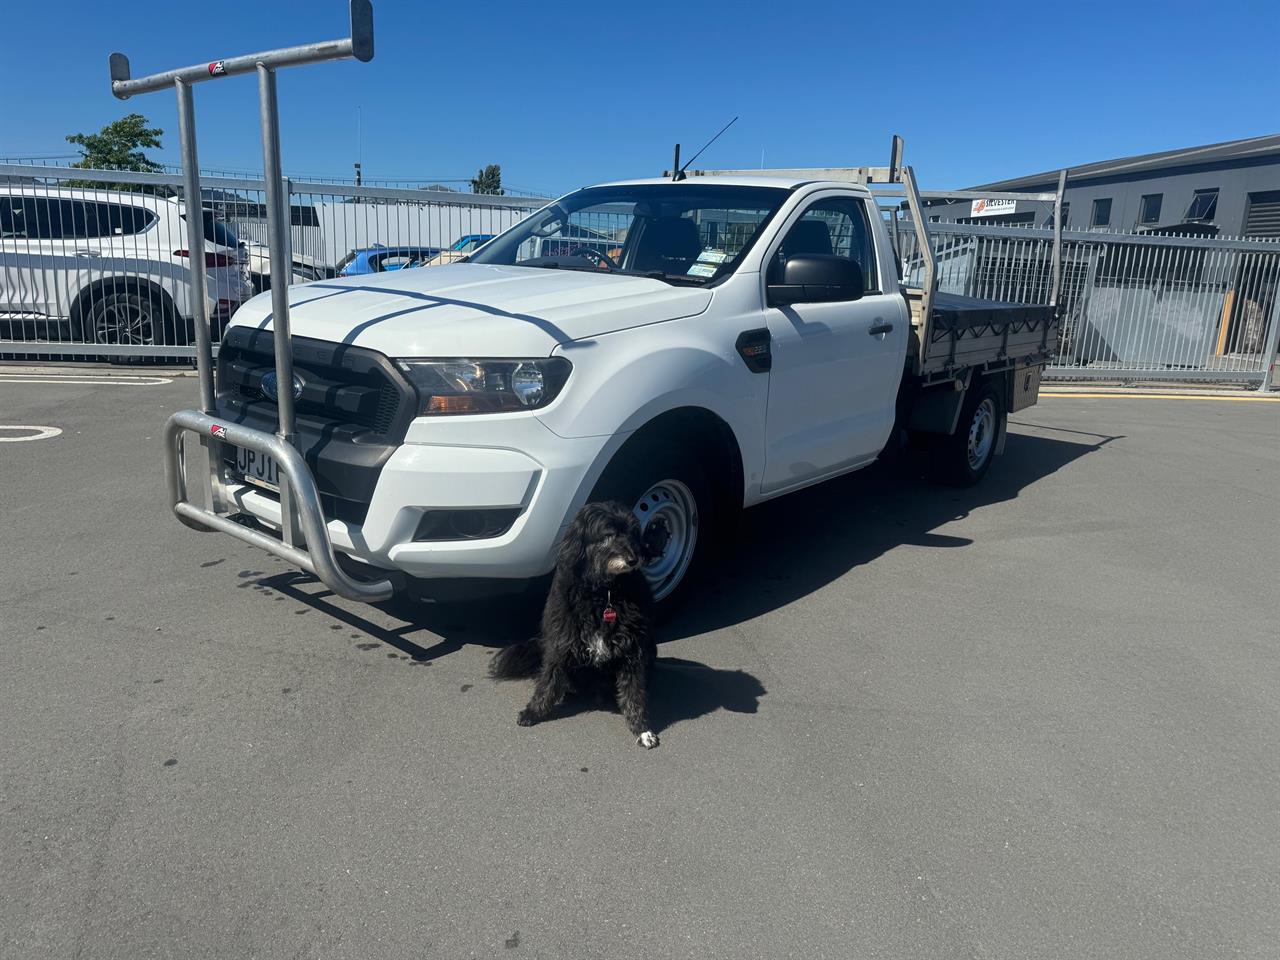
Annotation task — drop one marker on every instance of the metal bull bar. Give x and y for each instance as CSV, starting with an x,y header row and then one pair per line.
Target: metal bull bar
x,y
304,535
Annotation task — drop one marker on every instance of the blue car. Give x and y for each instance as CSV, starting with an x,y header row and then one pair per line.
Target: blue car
x,y
379,259
464,246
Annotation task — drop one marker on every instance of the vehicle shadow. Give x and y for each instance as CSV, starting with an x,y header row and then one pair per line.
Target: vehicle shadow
x,y
788,548
783,551
421,631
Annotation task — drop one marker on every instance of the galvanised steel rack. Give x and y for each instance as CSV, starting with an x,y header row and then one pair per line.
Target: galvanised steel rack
x,y
304,537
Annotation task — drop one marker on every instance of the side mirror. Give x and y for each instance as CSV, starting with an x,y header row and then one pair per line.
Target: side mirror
x,y
816,278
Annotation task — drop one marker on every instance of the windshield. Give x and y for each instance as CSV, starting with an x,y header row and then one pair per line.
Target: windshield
x,y
679,232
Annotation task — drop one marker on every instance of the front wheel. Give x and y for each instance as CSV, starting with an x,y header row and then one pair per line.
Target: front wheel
x,y
670,495
964,458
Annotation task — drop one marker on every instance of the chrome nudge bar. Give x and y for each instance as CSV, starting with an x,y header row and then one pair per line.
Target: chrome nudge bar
x,y
298,497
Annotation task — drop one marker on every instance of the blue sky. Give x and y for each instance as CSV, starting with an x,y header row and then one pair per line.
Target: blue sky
x,y
563,94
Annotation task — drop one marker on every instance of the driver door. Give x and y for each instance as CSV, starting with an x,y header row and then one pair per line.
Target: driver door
x,y
836,365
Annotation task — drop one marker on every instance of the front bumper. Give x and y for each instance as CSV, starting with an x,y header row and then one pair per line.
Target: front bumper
x,y
521,465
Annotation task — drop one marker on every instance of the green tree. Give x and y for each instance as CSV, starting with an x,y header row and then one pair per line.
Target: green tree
x,y
488,180
119,146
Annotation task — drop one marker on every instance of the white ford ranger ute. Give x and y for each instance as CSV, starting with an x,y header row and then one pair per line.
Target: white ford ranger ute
x,y
687,347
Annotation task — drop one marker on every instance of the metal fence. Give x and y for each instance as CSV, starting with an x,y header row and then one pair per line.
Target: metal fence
x,y
93,263
1135,306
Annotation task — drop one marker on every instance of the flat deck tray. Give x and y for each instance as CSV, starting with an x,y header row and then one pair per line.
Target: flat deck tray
x,y
953,312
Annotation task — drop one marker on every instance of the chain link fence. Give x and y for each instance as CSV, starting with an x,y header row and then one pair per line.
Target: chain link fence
x,y
93,263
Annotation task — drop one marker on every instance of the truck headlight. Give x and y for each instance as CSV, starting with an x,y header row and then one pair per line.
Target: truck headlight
x,y
485,386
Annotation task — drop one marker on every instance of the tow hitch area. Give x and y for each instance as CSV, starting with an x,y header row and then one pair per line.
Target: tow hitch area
x,y
270,460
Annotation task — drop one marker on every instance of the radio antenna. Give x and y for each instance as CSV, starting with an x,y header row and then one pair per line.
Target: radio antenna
x,y
679,174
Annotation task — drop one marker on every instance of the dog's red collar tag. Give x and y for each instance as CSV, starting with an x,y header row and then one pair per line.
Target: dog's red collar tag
x,y
610,614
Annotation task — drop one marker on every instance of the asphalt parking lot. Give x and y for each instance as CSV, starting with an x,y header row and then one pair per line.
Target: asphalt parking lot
x,y
1037,719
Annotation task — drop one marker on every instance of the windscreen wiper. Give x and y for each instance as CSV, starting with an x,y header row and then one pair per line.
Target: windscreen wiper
x,y
675,279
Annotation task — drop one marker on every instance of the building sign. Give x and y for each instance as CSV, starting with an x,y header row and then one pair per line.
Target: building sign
x,y
992,208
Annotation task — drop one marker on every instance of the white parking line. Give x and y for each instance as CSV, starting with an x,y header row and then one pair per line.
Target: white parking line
x,y
41,433
1120,395
90,381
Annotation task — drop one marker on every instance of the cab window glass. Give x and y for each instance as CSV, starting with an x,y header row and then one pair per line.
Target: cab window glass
x,y
832,227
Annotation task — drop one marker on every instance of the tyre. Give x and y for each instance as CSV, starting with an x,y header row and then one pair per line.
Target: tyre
x,y
127,315
671,495
964,458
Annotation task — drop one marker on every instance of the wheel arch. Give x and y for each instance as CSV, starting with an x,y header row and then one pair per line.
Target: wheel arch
x,y
688,424
116,283
684,422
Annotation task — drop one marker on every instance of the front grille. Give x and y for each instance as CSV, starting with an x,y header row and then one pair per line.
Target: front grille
x,y
341,385
384,417
353,410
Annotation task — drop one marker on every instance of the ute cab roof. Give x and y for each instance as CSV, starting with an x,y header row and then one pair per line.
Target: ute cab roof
x,y
786,180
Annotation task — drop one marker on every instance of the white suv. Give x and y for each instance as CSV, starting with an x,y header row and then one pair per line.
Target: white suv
x,y
108,267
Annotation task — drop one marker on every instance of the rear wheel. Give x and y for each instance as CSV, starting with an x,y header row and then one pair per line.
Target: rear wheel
x,y
129,316
964,458
670,494
123,319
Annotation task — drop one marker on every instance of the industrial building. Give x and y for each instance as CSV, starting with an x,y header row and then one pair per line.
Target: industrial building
x,y
1222,189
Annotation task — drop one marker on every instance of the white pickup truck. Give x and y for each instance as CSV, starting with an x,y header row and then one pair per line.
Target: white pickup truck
x,y
719,341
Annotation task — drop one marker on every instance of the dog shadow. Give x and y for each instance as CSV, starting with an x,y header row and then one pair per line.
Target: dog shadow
x,y
679,690
685,690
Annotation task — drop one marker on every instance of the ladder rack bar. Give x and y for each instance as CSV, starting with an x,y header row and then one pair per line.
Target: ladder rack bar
x,y
358,46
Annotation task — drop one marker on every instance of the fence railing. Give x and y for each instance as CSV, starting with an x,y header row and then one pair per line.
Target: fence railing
x,y
1134,305
93,262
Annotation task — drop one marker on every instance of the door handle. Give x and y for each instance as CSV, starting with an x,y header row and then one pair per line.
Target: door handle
x,y
878,328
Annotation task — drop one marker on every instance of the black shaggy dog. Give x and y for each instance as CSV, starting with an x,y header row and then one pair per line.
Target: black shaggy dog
x,y
596,626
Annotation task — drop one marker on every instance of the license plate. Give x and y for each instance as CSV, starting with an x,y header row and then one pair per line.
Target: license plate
x,y
258,468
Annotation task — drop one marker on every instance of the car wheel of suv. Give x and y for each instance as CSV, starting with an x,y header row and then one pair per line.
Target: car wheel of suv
x,y
124,319
671,497
129,316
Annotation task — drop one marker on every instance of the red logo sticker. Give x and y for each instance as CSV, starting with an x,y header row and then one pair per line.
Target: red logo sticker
x,y
217,69
219,431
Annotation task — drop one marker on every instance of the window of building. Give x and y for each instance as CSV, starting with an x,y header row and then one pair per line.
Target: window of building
x,y
1101,212
1149,210
1262,217
1204,206
1066,216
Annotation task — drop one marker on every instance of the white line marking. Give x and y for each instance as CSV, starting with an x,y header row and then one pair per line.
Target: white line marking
x,y
42,433
103,382
1100,395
